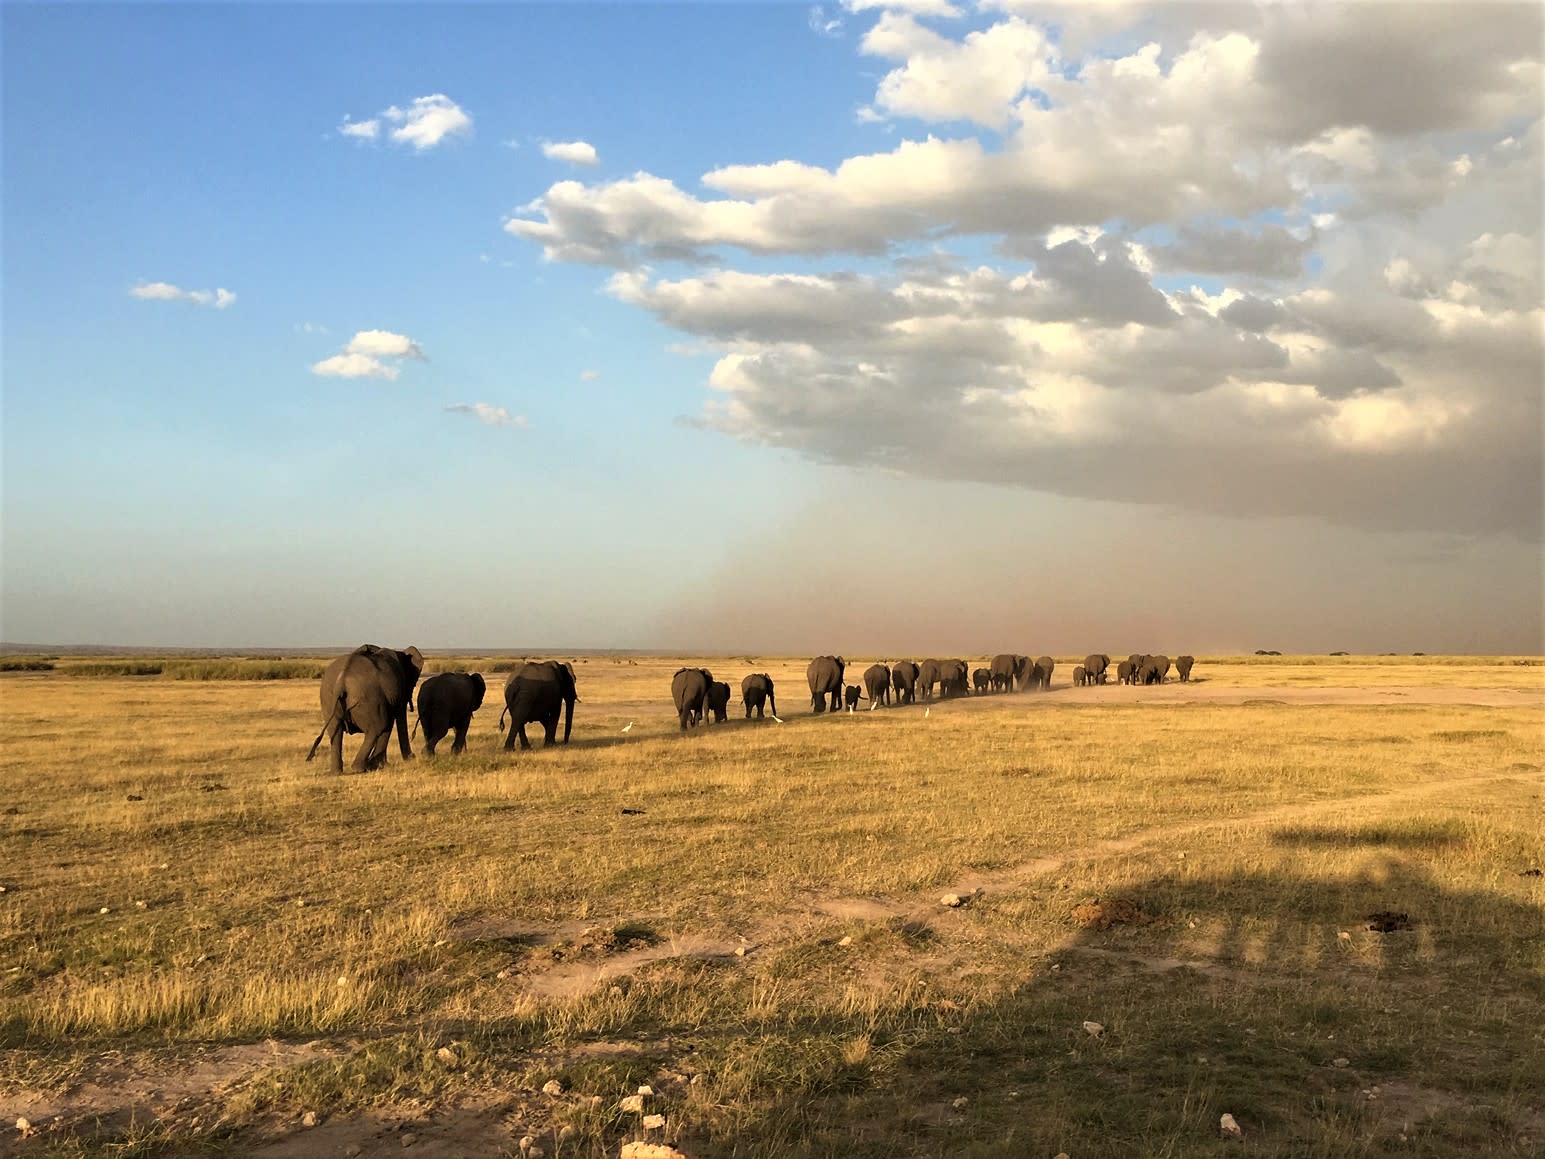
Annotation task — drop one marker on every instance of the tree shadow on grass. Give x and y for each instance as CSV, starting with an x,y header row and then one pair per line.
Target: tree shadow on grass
x,y
1262,995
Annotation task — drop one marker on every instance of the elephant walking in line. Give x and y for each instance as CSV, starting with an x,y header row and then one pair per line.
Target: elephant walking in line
x,y
877,683
927,677
825,678
718,702
1080,677
1154,670
447,702
1183,667
1095,665
904,681
1043,670
755,691
851,695
981,680
954,678
537,692
1004,672
367,692
689,692
1126,672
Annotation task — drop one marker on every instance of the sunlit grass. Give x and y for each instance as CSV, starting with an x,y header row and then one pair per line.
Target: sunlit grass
x,y
250,895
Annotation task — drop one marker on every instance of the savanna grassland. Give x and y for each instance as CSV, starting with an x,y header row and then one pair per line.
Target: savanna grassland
x,y
208,944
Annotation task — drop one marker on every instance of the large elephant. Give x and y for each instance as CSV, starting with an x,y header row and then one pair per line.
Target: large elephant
x,y
689,692
954,678
877,683
1095,665
718,703
447,702
1126,672
1183,667
367,692
1004,672
537,692
757,690
927,677
904,681
1044,666
1154,670
825,678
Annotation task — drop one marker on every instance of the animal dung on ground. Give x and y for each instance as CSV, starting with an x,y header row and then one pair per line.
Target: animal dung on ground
x,y
1101,914
1532,872
309,1119
1340,1063
632,812
1230,1127
1388,921
134,797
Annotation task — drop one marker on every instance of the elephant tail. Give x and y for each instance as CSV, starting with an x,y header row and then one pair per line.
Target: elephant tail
x,y
417,720
338,718
502,715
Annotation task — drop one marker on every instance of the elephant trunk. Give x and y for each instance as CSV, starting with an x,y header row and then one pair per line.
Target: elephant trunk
x,y
568,717
772,702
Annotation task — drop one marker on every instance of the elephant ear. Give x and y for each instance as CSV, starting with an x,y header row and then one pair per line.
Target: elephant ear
x,y
413,660
482,685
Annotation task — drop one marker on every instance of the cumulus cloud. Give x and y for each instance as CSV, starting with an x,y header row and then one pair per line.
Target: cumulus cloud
x,y
935,8
1244,259
167,292
488,414
366,355
572,152
423,123
383,344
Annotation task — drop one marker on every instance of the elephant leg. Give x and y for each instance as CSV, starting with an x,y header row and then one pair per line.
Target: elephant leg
x,y
550,731
372,750
402,738
460,743
335,757
509,741
430,740
524,742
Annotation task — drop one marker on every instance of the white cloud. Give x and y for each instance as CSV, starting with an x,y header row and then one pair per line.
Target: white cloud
x,y
572,152
354,366
589,375
423,123
166,292
939,8
1360,185
311,328
488,414
822,24
383,344
363,354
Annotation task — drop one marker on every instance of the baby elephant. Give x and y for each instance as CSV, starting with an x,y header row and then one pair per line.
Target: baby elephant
x,y
1080,677
717,703
446,702
852,694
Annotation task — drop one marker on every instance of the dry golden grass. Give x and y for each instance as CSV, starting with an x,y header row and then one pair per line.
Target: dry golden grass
x,y
505,906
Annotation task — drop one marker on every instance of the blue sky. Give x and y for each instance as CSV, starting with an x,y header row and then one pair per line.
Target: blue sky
x,y
178,473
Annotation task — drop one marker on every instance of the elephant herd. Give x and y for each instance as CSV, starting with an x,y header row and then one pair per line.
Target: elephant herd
x,y
369,692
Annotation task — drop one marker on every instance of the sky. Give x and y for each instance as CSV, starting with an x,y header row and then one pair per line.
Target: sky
x,y
915,327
